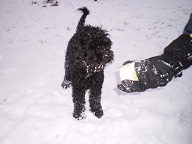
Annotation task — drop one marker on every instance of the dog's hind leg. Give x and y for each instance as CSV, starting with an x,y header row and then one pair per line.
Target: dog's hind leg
x,y
95,96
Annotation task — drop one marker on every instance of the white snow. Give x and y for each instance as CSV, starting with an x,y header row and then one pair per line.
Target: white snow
x,y
34,109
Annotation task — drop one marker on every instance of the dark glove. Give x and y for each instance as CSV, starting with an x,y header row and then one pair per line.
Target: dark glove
x,y
129,61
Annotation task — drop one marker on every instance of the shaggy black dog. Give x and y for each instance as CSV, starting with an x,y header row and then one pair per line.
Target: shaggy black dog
x,y
88,52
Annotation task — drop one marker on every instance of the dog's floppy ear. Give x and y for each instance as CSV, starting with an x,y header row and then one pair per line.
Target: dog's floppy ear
x,y
107,42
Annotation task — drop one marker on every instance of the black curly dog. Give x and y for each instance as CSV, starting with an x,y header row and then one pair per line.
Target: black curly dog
x,y
88,52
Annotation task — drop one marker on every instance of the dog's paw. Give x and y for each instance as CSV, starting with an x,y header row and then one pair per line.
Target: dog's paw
x,y
79,111
79,116
99,114
66,84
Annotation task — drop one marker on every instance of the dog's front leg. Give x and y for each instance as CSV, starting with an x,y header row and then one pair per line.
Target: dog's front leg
x,y
95,95
79,102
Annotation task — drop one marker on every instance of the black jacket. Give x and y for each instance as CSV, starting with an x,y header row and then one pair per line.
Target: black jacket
x,y
159,70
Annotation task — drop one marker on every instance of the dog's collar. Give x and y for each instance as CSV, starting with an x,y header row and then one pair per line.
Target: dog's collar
x,y
94,69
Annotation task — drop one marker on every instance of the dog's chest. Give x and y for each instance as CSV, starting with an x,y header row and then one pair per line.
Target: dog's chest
x,y
88,82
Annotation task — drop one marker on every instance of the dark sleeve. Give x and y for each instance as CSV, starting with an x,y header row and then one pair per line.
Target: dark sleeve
x,y
179,50
177,44
188,27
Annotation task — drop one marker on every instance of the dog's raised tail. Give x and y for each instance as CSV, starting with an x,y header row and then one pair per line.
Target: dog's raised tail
x,y
82,19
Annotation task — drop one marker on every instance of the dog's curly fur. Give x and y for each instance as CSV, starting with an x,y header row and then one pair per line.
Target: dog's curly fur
x,y
88,52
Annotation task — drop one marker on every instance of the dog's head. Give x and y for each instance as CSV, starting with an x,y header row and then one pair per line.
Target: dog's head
x,y
96,47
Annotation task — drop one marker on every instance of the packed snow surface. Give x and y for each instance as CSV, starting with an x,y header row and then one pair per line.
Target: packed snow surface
x,y
34,109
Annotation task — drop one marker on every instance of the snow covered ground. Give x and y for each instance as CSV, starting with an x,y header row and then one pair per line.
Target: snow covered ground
x,y
34,109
